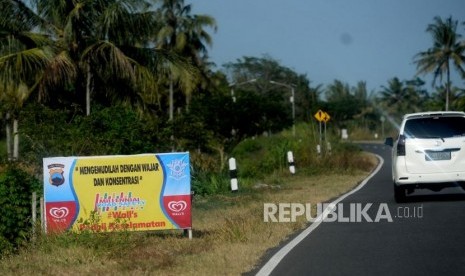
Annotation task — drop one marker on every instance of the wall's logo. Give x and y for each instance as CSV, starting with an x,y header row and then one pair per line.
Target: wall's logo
x,y
177,169
177,206
56,174
59,213
178,209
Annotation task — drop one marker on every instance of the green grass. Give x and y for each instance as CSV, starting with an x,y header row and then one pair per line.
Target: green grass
x,y
230,235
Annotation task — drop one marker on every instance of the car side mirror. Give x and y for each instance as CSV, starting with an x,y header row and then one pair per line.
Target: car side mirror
x,y
389,141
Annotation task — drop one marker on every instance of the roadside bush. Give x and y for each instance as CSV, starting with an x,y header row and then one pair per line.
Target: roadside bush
x,y
16,187
208,176
113,130
259,156
205,183
264,156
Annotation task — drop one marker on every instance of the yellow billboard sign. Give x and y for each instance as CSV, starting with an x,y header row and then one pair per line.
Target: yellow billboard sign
x,y
110,193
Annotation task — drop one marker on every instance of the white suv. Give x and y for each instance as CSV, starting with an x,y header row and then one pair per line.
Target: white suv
x,y
429,152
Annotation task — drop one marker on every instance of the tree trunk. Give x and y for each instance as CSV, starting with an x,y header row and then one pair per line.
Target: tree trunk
x,y
88,89
447,87
15,139
188,102
171,111
171,99
8,136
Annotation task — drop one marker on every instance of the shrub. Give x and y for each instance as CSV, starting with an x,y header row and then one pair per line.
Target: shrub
x,y
264,156
16,187
112,130
205,183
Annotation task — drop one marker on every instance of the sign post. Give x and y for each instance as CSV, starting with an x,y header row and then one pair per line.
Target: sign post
x,y
322,117
319,117
326,118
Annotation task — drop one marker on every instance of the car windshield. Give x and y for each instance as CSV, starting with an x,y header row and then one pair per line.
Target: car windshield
x,y
435,127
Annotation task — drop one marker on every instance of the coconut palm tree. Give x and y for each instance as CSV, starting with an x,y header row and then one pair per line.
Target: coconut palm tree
x,y
341,101
106,41
446,49
399,98
24,55
183,34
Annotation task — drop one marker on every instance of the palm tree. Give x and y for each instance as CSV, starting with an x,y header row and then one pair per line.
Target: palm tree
x,y
342,103
446,48
183,34
105,39
24,55
394,97
364,100
399,98
337,90
83,42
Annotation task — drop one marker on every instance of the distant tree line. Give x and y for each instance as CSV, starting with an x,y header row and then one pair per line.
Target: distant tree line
x,y
114,77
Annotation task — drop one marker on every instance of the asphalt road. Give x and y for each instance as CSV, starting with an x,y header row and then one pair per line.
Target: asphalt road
x,y
425,237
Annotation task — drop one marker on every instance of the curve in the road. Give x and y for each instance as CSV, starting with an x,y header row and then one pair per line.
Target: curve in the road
x,y
278,256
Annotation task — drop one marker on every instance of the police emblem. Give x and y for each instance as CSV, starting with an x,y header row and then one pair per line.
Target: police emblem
x,y
56,174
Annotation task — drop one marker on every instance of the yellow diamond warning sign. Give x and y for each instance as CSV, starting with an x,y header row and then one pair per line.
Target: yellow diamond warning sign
x,y
322,116
326,117
319,115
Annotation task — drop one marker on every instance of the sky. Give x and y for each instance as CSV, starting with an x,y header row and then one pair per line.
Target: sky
x,y
347,40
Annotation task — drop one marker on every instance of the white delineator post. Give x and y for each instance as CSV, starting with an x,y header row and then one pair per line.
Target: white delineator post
x,y
290,160
233,174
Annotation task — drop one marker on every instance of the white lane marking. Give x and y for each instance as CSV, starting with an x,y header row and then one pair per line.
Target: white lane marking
x,y
278,256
